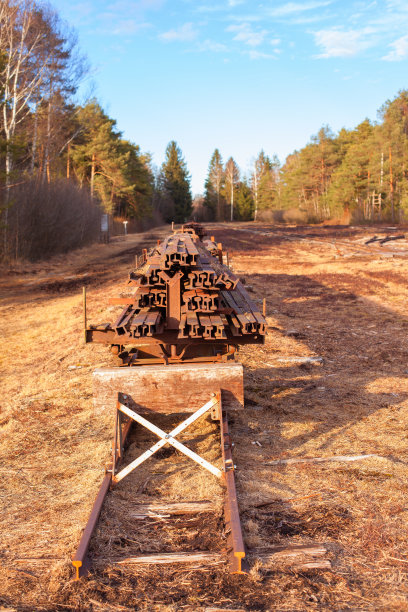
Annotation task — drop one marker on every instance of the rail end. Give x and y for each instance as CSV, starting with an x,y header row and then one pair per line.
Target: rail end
x,y
78,572
239,563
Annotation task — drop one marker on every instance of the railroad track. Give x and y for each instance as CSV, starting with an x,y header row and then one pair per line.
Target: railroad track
x,y
179,329
232,553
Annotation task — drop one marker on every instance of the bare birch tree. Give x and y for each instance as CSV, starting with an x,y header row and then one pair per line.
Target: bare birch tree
x,y
231,182
21,40
262,165
39,67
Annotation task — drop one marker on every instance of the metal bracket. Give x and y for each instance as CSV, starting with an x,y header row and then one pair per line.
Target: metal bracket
x,y
216,409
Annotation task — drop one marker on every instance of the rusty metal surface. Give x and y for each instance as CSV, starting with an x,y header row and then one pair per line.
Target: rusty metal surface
x,y
236,548
184,297
80,560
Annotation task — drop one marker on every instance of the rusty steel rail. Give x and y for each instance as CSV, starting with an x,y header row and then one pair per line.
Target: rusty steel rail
x,y
236,547
80,560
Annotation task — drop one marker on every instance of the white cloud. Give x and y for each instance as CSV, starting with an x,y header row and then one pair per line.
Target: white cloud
x,y
206,8
399,5
254,55
247,18
212,45
128,7
129,27
292,8
399,50
308,19
245,34
342,43
275,41
185,33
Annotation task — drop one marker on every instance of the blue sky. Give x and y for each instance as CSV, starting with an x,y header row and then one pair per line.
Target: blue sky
x,y
239,75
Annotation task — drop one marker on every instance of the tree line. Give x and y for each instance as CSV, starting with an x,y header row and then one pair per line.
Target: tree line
x,y
359,174
63,162
54,149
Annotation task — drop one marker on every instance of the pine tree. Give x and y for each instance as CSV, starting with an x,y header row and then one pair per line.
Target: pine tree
x,y
176,183
269,185
394,149
307,175
214,184
351,183
244,210
111,166
135,198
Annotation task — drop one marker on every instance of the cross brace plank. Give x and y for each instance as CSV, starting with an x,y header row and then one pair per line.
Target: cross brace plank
x,y
167,438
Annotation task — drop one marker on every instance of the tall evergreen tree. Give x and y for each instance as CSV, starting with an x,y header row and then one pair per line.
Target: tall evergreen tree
x,y
244,210
262,165
351,183
269,185
307,175
176,182
214,184
394,149
113,167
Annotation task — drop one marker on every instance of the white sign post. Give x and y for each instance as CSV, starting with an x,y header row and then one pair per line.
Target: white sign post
x,y
105,227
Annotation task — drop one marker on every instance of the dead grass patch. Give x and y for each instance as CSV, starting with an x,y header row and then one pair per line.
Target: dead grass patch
x,y
350,311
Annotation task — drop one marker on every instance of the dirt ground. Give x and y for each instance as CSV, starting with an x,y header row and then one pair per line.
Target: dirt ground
x,y
330,298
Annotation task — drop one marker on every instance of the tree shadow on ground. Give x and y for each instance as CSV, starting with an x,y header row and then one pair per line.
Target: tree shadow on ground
x,y
359,343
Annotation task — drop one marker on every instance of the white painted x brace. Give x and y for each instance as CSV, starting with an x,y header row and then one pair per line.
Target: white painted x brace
x,y
168,438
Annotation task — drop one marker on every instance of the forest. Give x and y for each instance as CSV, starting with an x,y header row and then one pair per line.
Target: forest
x,y
358,175
62,162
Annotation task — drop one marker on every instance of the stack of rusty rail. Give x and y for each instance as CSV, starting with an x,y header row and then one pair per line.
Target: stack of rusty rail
x,y
187,305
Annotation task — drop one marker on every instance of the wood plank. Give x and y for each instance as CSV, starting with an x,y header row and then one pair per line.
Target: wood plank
x,y
148,388
322,459
297,557
167,438
282,552
198,558
142,511
122,301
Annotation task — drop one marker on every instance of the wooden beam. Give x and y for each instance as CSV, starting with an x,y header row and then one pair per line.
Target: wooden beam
x,y
200,558
142,511
301,557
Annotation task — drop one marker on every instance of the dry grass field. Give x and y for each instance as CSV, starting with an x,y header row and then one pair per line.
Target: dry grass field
x,y
330,298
